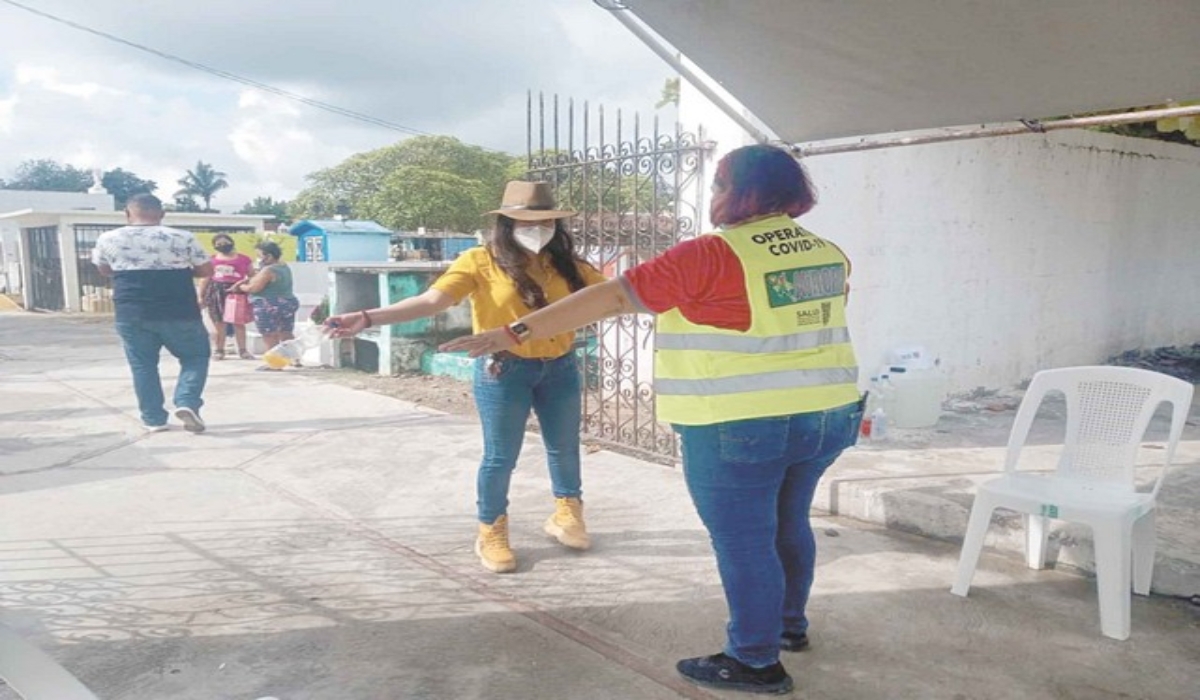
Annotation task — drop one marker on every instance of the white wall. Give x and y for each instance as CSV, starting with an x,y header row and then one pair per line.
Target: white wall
x,y
1008,255
13,200
10,259
310,284
65,221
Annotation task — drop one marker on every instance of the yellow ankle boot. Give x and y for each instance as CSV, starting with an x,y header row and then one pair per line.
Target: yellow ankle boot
x,y
566,525
492,547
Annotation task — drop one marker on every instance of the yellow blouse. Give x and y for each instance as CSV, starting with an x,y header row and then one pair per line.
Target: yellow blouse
x,y
496,302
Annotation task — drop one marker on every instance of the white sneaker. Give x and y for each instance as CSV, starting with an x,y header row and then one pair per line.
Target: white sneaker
x,y
155,428
191,420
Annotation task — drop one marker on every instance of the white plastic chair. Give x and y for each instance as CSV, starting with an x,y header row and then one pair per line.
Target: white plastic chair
x,y
1108,410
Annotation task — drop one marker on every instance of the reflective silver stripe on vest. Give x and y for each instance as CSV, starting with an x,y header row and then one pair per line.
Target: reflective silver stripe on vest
x,y
786,379
716,342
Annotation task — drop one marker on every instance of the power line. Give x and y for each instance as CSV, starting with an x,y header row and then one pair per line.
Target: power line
x,y
376,121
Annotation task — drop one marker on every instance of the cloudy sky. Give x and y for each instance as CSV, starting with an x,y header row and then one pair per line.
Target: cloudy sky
x,y
455,67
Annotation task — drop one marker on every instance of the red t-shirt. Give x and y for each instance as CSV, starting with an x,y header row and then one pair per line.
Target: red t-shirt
x,y
230,270
701,277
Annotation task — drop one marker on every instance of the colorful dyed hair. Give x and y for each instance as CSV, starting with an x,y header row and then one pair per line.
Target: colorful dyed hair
x,y
758,180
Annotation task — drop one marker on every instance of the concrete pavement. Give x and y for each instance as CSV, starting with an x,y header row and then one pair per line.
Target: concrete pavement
x,y
316,543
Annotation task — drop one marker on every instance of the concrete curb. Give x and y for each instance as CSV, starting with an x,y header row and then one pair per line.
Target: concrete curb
x,y
930,494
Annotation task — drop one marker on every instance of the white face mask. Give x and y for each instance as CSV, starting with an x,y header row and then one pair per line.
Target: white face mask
x,y
533,238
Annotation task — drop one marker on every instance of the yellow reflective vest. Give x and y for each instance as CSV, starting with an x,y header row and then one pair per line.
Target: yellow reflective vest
x,y
796,357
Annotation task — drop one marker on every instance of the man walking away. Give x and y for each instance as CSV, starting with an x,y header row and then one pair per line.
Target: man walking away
x,y
152,267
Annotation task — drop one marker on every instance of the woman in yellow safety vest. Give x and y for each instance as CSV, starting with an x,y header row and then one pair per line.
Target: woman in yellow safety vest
x,y
755,371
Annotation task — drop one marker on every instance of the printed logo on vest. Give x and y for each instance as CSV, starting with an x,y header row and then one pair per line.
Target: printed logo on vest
x,y
787,287
808,317
814,317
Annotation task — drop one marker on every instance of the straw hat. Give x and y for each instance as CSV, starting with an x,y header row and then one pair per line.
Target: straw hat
x,y
529,201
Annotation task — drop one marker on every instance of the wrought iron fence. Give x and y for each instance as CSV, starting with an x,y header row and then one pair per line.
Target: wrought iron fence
x,y
86,235
85,242
635,190
46,273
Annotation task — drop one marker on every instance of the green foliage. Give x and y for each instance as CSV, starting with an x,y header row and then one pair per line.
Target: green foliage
x,y
48,175
185,203
320,312
1176,130
122,185
203,182
670,93
412,196
601,187
267,206
432,181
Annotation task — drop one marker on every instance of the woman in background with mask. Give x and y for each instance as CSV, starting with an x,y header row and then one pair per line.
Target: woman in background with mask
x,y
229,268
527,263
271,296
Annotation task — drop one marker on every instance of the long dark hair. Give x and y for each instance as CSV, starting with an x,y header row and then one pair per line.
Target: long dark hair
x,y
514,260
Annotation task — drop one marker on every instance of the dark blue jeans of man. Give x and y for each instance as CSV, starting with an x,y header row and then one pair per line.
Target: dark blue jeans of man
x,y
504,395
187,341
752,482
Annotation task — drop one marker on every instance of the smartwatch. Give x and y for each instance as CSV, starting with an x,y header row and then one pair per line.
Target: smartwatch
x,y
521,331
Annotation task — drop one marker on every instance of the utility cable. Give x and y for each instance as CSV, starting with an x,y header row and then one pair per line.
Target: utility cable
x,y
226,74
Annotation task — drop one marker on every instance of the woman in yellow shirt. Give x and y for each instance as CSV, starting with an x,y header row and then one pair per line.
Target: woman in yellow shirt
x,y
528,263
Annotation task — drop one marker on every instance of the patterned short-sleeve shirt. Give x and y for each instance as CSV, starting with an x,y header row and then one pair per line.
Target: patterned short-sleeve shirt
x,y
148,248
152,272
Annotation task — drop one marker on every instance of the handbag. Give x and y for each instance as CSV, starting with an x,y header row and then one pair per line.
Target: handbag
x,y
237,309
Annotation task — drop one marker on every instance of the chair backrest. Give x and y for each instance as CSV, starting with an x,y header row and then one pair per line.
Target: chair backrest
x,y
1108,411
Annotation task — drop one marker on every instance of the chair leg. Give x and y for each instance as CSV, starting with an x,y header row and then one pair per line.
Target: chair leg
x,y
1143,553
1037,532
968,559
1113,554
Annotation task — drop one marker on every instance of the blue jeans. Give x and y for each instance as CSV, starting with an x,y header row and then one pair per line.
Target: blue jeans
x,y
752,482
504,394
187,341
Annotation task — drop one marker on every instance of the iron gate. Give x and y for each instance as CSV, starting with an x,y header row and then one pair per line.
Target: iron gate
x,y
86,236
636,192
45,269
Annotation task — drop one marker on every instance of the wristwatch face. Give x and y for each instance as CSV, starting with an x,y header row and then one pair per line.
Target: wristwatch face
x,y
520,329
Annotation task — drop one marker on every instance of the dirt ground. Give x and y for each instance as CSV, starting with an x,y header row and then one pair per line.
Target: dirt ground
x,y
983,417
978,418
439,393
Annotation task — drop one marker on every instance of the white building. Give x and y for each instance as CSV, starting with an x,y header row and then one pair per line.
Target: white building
x,y
16,200
1010,254
53,250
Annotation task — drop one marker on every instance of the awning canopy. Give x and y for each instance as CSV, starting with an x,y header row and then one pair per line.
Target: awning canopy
x,y
823,69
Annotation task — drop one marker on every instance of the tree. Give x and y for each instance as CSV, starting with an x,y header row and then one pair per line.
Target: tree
x,y
267,206
670,93
203,182
185,203
412,197
122,185
599,186
432,181
49,175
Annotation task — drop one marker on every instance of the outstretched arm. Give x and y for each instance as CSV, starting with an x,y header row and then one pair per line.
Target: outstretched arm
x,y
425,304
579,309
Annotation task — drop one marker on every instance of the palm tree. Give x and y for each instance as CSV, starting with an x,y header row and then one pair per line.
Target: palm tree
x,y
203,182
